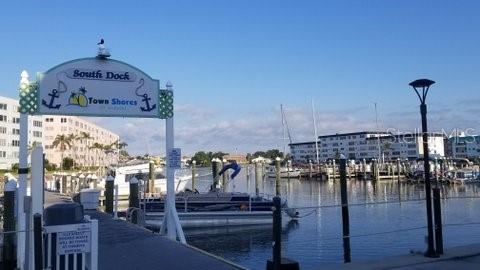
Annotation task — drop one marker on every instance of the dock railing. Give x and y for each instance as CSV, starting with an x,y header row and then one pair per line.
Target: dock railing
x,y
71,246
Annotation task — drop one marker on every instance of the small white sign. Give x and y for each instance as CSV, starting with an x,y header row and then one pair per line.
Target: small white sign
x,y
78,241
175,158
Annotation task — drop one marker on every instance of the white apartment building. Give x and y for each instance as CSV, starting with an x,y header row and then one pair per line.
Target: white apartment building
x,y
10,132
464,146
82,150
409,145
367,145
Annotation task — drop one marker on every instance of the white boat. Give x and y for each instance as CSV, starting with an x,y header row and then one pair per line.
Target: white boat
x,y
462,176
141,171
284,172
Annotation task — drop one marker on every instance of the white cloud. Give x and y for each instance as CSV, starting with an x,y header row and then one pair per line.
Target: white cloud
x,y
209,129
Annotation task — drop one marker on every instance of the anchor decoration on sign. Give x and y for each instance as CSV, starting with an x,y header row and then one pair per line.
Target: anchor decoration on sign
x,y
148,107
55,94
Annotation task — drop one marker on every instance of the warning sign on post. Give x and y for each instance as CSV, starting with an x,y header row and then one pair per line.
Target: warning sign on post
x,y
175,158
78,241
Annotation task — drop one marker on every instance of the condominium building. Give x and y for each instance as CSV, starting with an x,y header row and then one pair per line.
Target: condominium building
x,y
84,150
10,132
409,145
367,145
464,146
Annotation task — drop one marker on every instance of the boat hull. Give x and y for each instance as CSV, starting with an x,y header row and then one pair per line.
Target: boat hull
x,y
212,219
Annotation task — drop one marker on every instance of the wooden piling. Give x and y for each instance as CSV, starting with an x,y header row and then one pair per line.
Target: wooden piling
x,y
345,215
194,168
277,178
151,177
257,178
109,182
133,199
277,233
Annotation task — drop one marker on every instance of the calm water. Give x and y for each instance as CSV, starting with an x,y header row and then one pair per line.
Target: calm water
x,y
316,239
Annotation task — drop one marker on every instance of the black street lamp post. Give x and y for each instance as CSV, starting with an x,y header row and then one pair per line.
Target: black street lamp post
x,y
424,85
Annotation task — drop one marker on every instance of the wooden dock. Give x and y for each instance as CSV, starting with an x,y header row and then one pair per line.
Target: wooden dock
x,y
123,245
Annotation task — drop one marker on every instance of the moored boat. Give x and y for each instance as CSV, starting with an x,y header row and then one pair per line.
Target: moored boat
x,y
211,209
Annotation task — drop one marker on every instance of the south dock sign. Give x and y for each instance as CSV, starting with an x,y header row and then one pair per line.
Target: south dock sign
x,y
100,87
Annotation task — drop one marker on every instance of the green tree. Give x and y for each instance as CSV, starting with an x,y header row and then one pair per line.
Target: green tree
x,y
15,167
85,137
49,166
97,147
205,158
63,142
67,163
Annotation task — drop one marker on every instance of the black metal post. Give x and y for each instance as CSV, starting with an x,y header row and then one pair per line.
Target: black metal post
x,y
38,244
277,236
428,195
438,221
345,216
109,183
9,224
133,199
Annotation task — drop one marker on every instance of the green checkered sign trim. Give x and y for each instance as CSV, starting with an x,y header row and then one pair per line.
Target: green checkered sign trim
x,y
28,99
165,110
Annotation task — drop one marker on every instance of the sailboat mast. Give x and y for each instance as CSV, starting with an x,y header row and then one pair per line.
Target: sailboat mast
x,y
378,134
284,132
315,137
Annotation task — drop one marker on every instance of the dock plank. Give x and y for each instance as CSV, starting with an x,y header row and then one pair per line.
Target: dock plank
x,y
123,245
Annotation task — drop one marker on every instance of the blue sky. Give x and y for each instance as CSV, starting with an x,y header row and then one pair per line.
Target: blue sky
x,y
233,62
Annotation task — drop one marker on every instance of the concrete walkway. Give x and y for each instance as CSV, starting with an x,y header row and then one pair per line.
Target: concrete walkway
x,y
123,245
456,258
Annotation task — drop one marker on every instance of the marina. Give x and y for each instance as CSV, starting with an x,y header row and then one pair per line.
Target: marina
x,y
383,222
239,135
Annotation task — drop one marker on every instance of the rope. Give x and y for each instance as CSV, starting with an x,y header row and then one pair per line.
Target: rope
x,y
372,203
399,230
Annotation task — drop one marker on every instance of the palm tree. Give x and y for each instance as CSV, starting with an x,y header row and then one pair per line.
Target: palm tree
x,y
109,149
85,136
120,146
97,146
63,142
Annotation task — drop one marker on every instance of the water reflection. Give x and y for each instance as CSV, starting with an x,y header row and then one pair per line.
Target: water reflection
x,y
316,238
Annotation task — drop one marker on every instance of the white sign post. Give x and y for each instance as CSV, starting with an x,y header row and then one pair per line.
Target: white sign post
x,y
94,87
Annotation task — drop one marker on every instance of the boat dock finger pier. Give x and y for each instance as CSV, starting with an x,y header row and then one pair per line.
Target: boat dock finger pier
x,y
123,245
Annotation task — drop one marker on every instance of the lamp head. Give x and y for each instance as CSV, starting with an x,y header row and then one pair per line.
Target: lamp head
x,y
420,83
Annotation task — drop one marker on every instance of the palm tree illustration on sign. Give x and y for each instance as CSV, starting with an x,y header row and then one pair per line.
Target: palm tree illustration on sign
x,y
78,98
